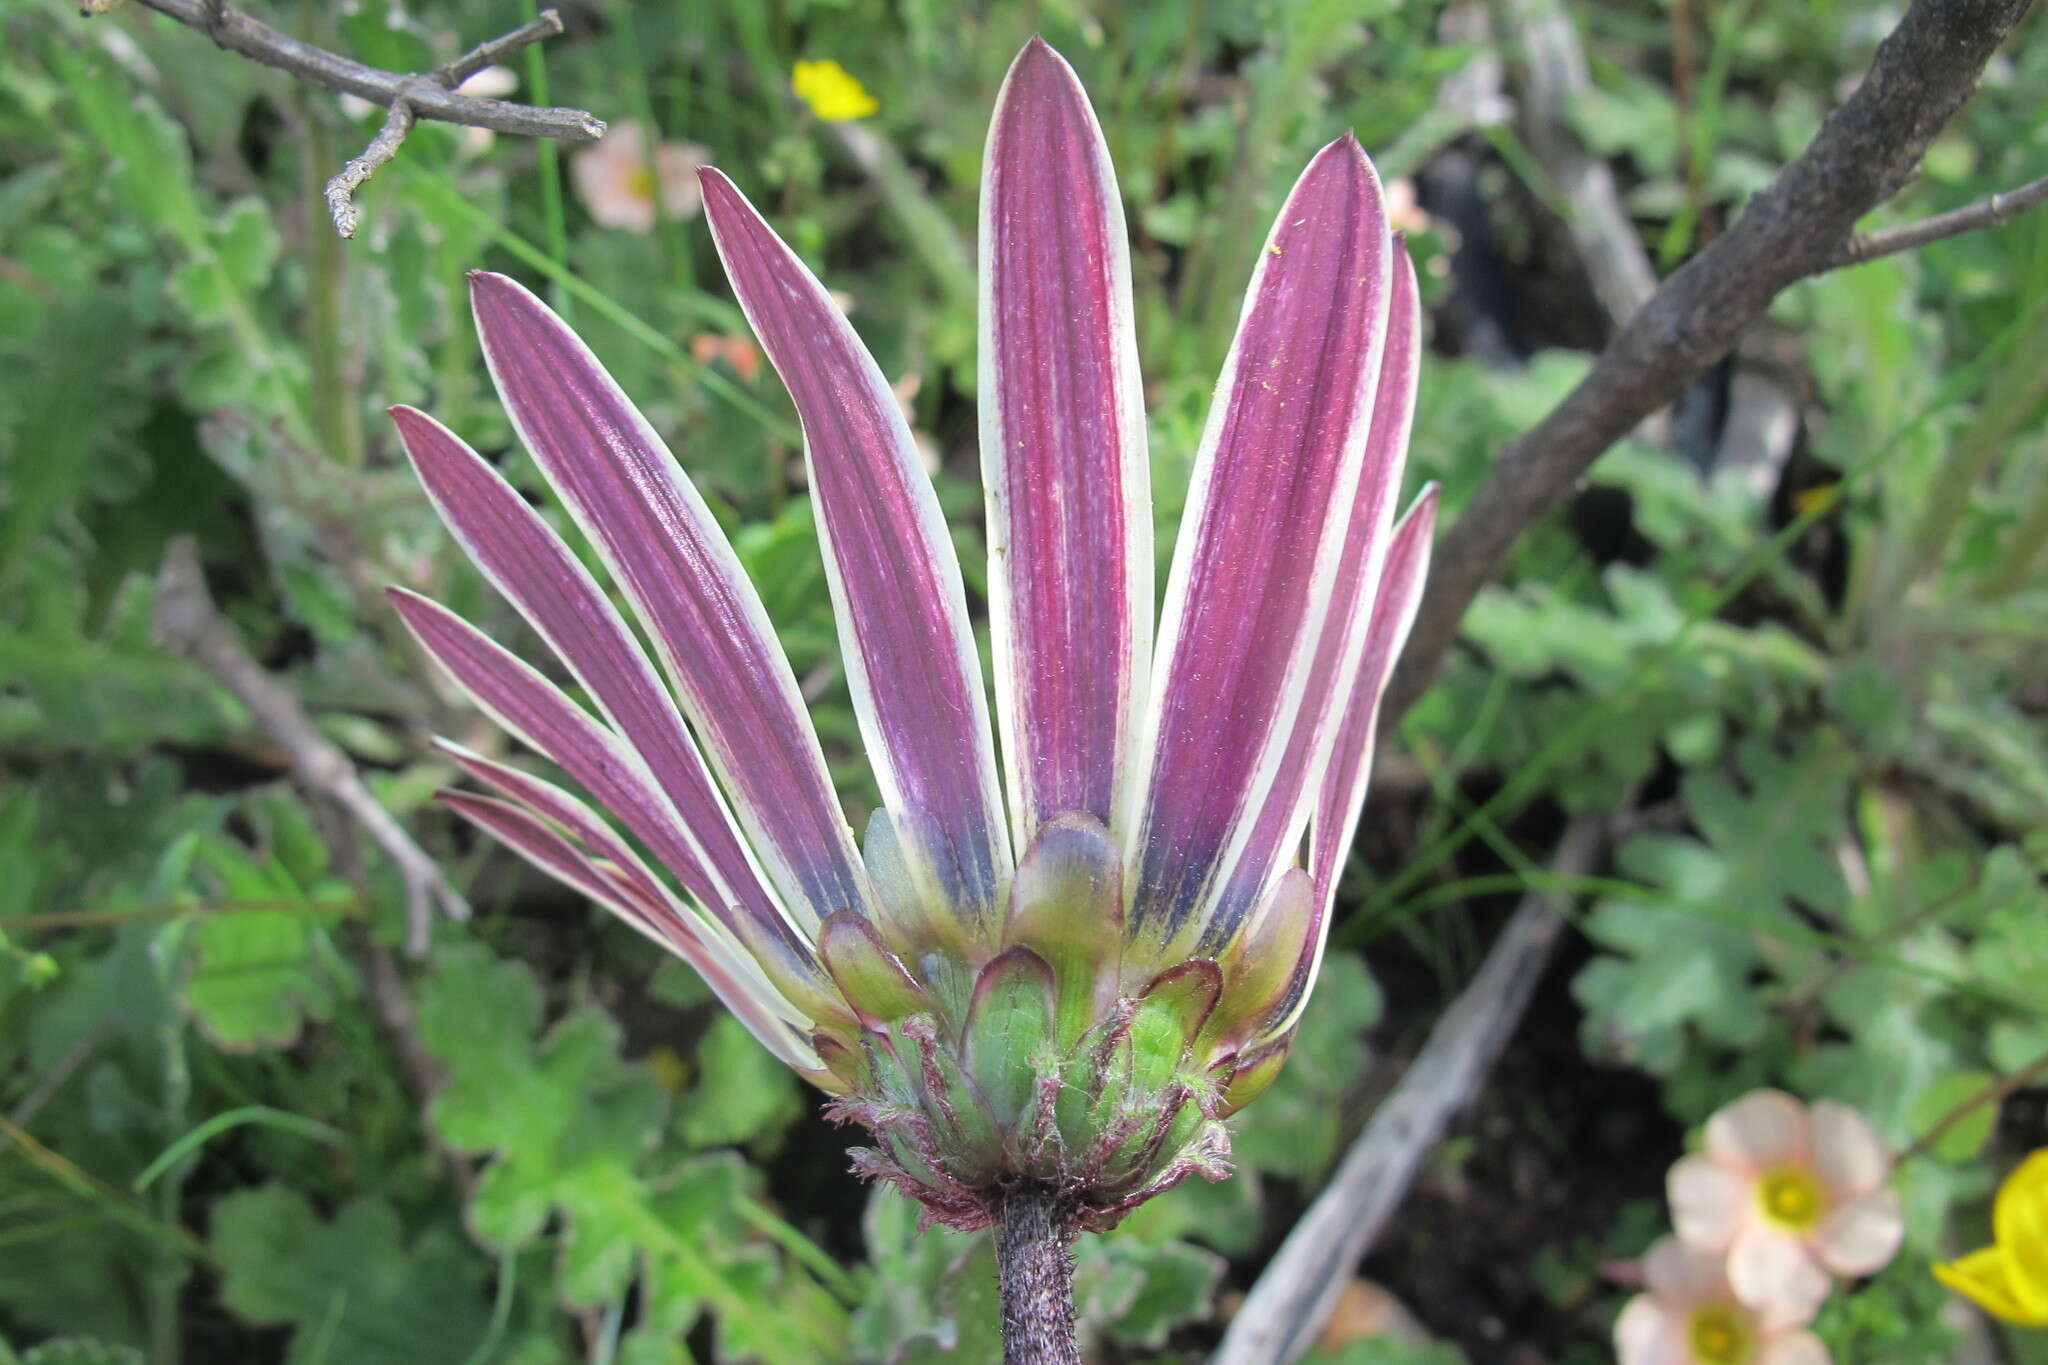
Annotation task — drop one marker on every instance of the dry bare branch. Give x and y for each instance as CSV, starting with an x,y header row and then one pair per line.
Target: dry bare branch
x,y
409,96
186,622
1985,213
1801,224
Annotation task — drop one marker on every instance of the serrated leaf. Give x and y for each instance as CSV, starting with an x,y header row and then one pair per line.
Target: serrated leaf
x,y
1175,1285
351,1288
742,1096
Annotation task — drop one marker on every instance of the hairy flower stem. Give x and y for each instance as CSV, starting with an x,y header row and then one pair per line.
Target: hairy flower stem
x,y
1034,1261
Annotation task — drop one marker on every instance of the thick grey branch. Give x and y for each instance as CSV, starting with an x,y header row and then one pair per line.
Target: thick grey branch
x,y
186,622
1300,1285
430,95
1800,225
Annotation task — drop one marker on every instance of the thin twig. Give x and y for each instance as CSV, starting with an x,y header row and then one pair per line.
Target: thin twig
x,y
1985,213
2030,1074
76,1056
429,95
186,622
341,190
1301,1284
1798,226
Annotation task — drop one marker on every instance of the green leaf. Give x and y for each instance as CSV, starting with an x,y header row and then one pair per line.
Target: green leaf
x,y
352,1289
258,975
1682,967
742,1095
571,1131
1160,1287
81,1351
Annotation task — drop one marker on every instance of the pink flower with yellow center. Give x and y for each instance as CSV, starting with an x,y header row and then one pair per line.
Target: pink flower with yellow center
x,y
618,187
1691,1316
1790,1194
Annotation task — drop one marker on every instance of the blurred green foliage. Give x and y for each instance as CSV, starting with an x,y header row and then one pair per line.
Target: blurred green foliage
x,y
1814,704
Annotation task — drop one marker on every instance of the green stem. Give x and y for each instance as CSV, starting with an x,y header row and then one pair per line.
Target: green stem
x,y
552,211
2014,393
2022,549
336,413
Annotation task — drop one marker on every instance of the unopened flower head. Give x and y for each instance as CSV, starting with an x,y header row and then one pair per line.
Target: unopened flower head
x,y
2009,1278
1790,1194
1066,970
1691,1316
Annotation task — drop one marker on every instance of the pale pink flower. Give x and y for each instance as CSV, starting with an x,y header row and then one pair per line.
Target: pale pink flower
x,y
1404,210
615,184
1789,1194
1690,1316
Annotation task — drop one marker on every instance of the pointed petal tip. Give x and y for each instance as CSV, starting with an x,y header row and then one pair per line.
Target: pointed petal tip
x,y
1039,55
1341,167
491,292
413,424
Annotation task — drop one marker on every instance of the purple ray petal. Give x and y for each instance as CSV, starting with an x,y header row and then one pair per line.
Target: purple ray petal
x,y
667,554
1340,800
1258,553
1276,836
622,868
526,561
540,716
752,1003
777,963
1062,454
577,821
910,659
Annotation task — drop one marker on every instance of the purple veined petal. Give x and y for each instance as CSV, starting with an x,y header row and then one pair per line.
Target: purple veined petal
x,y
577,821
911,664
524,559
1275,838
539,715
1259,547
586,828
1340,800
668,555
754,1005
1062,455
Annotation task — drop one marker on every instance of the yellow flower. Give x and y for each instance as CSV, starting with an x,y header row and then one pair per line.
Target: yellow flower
x,y
831,91
2009,1278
